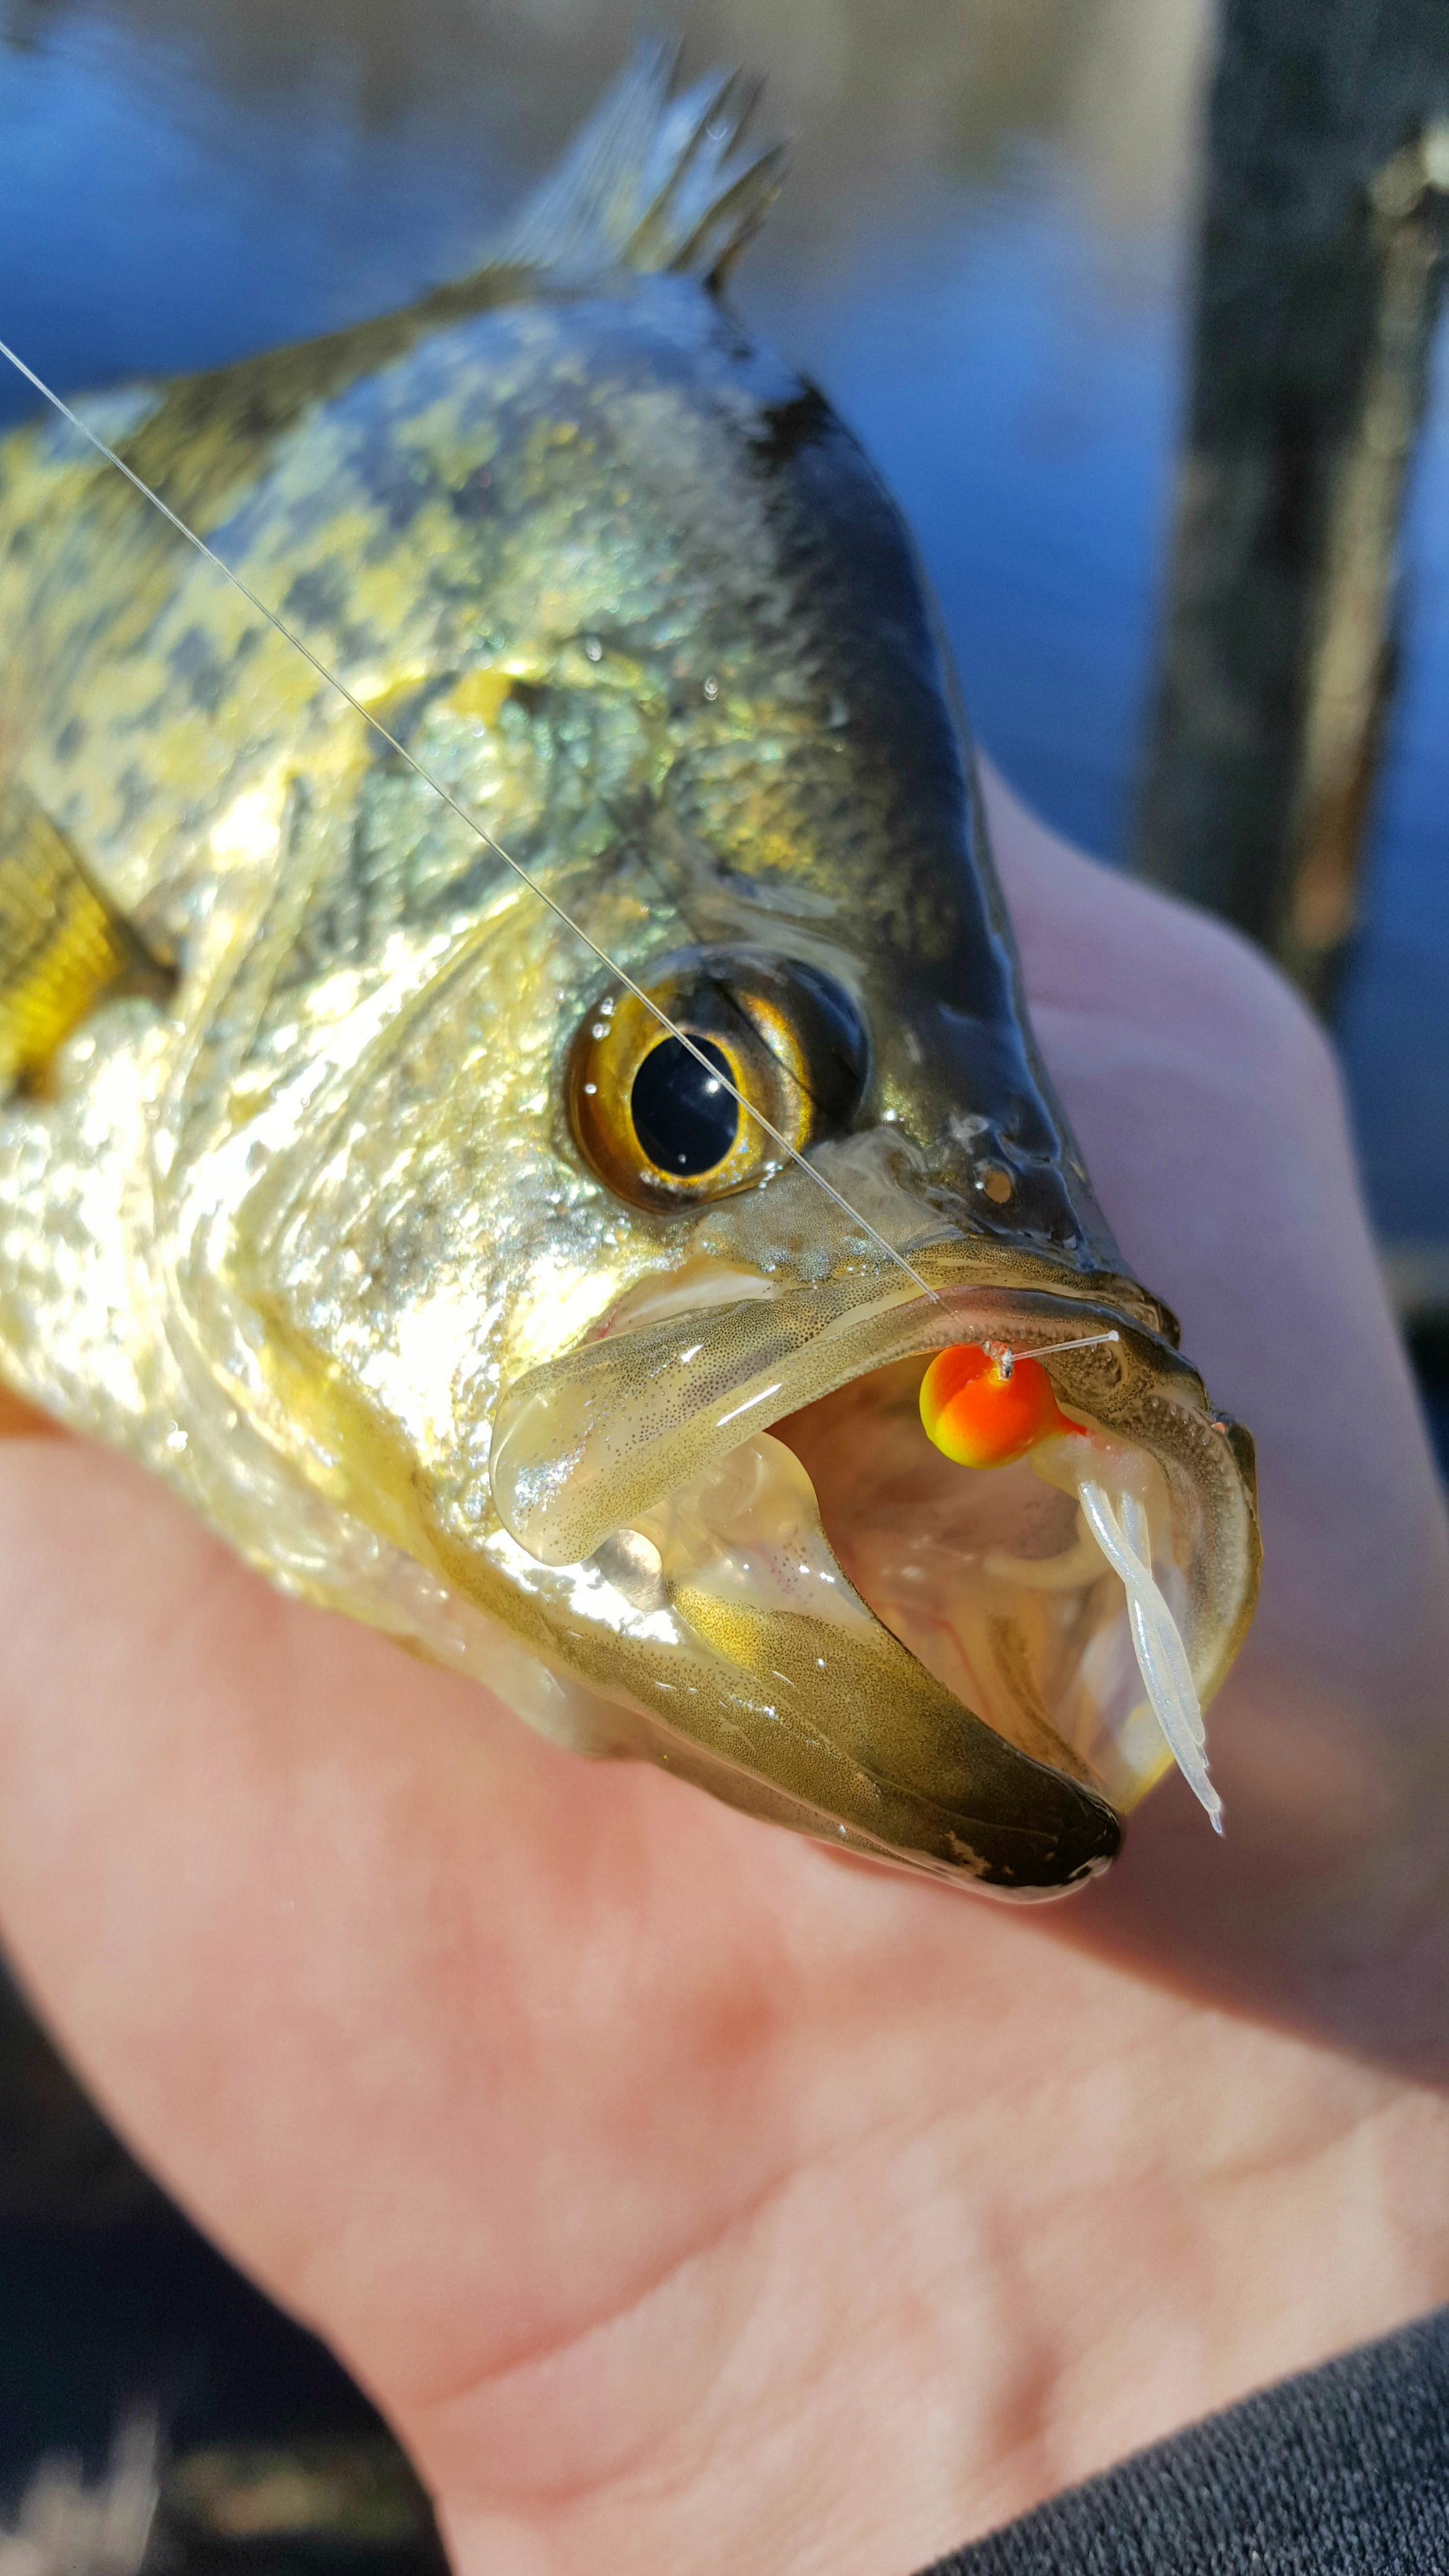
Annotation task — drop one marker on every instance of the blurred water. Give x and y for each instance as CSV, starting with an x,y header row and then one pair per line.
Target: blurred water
x,y
1396,1019
981,256
1015,377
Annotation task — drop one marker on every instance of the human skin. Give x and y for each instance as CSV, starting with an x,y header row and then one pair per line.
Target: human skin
x,y
686,2195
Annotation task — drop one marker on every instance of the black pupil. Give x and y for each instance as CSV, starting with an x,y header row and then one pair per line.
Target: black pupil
x,y
684,1118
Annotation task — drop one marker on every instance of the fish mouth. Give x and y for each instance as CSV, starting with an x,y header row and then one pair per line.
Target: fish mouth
x,y
933,1663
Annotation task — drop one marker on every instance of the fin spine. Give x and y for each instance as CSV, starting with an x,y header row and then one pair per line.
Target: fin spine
x,y
652,182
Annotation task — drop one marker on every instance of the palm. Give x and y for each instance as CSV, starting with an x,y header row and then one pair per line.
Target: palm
x,y
691,2197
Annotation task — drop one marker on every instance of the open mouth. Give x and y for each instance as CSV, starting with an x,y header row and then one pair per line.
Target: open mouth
x,y
992,1580
764,1470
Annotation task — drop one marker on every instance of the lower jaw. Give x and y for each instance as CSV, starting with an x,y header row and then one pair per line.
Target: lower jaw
x,y
1034,1861
692,1640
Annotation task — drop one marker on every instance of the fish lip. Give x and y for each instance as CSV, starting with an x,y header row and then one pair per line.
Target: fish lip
x,y
537,1493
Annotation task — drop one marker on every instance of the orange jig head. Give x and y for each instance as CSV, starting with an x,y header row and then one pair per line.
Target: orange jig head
x,y
987,1408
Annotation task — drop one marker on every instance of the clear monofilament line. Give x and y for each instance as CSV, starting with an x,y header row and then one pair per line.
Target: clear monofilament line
x,y
291,637
1049,1350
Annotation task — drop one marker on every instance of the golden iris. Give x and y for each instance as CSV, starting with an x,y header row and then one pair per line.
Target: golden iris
x,y
666,1124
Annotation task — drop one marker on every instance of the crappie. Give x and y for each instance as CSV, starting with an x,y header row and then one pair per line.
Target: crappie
x,y
345,1184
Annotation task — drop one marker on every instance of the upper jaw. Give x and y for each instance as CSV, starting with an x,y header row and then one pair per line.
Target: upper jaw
x,y
587,1443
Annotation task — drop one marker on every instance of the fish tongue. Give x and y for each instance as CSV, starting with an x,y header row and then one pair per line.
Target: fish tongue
x,y
746,1531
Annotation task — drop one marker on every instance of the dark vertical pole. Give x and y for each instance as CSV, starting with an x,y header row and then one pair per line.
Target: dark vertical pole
x,y
1319,268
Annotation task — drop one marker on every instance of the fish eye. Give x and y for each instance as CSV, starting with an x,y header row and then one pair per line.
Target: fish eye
x,y
684,1115
666,1124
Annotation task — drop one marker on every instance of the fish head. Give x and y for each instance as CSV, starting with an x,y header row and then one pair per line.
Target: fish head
x,y
600,1279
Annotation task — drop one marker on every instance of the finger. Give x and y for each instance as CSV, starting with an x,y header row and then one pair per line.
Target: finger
x,y
1212,1118
21,1421
1219,1144
397,1998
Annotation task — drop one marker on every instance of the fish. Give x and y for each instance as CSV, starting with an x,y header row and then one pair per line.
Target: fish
x,y
515,1062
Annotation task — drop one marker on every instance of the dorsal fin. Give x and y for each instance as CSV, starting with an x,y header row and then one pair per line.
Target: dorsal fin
x,y
63,945
652,181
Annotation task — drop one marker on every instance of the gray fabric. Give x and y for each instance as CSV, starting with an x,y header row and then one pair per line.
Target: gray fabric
x,y
1344,2472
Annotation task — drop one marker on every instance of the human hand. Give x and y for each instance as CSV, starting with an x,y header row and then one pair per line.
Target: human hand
x,y
692,2198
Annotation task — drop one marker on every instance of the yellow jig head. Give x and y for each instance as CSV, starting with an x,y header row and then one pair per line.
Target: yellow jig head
x,y
985,1407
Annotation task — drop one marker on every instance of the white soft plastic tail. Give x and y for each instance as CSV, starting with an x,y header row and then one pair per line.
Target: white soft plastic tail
x,y
1161,1656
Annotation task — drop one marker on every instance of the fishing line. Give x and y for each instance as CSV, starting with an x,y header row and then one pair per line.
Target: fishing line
x,y
486,837
1047,1350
